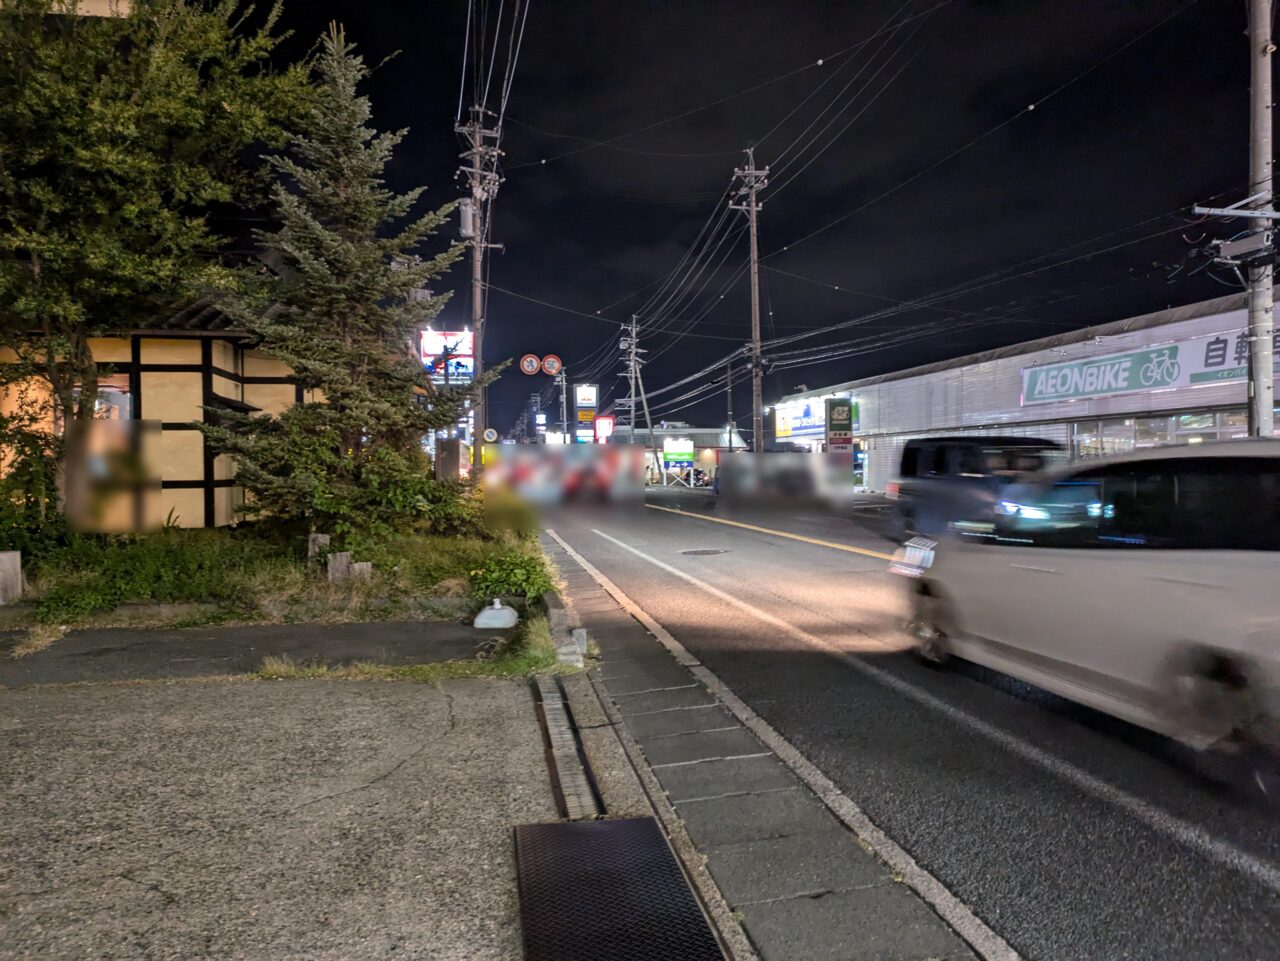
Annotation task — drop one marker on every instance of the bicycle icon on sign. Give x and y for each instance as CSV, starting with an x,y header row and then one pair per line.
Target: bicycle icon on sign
x,y
1161,369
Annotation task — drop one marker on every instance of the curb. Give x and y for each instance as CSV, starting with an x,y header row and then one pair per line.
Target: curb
x,y
595,716
567,632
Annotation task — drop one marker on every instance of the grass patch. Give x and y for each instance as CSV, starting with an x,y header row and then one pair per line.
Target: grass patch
x,y
184,578
530,651
37,639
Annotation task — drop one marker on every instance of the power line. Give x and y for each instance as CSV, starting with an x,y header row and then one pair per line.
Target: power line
x,y
822,61
983,136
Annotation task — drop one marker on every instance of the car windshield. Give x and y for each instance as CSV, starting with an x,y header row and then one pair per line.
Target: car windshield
x,y
1012,461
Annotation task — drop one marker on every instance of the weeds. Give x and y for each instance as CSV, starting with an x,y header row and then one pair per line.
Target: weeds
x,y
530,651
253,576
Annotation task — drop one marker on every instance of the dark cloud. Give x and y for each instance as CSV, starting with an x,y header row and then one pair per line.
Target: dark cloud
x,y
1160,125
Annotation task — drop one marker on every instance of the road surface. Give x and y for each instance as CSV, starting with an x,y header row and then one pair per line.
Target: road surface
x,y
1073,836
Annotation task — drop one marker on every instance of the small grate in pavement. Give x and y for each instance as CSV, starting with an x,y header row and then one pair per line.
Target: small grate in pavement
x,y
596,890
706,551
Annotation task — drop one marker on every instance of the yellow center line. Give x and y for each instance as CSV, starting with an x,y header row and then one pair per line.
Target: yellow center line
x,y
768,530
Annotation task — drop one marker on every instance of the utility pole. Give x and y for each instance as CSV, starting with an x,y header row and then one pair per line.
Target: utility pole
x,y
653,442
480,167
752,181
728,396
561,380
1261,273
1253,256
633,366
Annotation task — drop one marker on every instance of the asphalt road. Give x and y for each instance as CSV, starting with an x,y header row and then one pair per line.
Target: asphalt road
x,y
1073,836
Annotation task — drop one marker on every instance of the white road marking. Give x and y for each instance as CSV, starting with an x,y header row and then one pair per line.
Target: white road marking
x,y
989,945
1185,833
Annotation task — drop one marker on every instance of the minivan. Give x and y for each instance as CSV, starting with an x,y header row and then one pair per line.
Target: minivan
x,y
946,479
1146,586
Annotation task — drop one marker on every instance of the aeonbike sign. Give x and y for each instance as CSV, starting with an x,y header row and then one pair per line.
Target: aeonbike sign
x,y
1203,360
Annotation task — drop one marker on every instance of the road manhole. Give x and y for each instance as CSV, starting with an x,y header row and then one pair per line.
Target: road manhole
x,y
705,551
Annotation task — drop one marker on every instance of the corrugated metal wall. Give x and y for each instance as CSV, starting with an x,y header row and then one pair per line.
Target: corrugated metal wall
x,y
985,398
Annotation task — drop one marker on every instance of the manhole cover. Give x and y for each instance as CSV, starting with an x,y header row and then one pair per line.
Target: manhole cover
x,y
704,551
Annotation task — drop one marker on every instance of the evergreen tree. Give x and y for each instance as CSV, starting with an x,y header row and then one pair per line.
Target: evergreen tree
x,y
340,310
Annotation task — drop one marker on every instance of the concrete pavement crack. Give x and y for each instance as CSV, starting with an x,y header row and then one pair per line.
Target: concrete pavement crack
x,y
166,896
451,723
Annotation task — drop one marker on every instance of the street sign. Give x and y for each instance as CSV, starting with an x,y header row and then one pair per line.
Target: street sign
x,y
530,364
677,452
842,421
490,435
552,365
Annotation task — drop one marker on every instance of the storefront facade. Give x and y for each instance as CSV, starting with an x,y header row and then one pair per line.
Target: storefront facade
x,y
156,384
1175,376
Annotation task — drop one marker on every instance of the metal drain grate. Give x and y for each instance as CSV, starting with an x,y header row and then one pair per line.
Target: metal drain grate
x,y
706,551
594,890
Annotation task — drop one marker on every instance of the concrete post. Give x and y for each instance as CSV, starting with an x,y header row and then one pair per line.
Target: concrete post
x,y
10,576
339,566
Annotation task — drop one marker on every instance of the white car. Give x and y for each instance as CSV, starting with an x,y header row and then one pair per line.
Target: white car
x,y
1146,586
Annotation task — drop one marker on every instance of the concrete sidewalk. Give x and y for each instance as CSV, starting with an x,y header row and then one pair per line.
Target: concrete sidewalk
x,y
802,884
266,820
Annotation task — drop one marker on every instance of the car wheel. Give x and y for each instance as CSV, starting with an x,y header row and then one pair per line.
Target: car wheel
x,y
904,528
1208,697
1212,703
928,626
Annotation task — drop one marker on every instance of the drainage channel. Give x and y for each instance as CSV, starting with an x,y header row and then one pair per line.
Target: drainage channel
x,y
576,792
594,888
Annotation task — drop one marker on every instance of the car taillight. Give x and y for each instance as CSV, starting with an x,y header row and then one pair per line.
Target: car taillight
x,y
891,490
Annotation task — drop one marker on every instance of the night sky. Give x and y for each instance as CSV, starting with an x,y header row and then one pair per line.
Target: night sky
x,y
1141,110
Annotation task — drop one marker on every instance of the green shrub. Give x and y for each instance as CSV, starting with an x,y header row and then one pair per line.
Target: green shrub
x,y
30,518
515,572
93,574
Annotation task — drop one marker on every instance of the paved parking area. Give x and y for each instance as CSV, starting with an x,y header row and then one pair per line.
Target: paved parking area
x,y
266,820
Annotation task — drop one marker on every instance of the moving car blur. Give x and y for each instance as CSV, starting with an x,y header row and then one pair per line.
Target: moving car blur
x,y
944,480
1143,586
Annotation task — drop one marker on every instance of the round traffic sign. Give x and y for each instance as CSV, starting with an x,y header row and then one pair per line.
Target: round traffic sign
x,y
490,435
551,364
530,364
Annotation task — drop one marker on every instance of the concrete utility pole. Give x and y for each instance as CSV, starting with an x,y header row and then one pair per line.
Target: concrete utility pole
x,y
653,442
480,167
752,181
728,397
1261,298
1254,254
632,346
561,380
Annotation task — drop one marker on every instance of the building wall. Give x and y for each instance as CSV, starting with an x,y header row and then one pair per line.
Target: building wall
x,y
985,397
170,381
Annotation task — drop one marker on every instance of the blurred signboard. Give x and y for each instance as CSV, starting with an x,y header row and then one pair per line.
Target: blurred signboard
x,y
604,428
677,452
799,418
449,355
586,416
585,395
